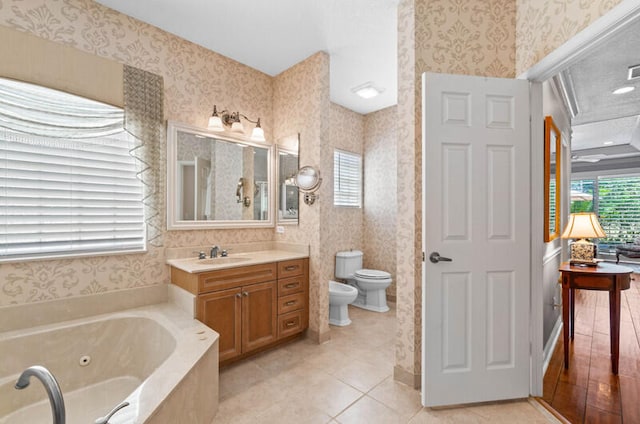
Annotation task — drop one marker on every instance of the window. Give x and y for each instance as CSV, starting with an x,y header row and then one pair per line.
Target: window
x,y
616,201
347,179
68,185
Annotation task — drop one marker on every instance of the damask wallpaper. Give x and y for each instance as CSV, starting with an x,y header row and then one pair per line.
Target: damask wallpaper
x,y
341,227
542,26
194,79
300,105
380,175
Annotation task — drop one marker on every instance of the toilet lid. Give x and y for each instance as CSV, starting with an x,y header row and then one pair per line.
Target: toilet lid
x,y
372,274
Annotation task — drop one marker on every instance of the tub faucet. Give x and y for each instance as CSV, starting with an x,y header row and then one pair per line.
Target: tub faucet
x,y
214,252
106,418
50,385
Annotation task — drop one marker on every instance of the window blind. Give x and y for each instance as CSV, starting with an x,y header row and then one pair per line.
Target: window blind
x,y
619,208
68,195
347,179
616,201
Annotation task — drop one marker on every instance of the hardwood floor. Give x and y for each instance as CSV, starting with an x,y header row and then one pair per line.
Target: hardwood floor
x,y
588,392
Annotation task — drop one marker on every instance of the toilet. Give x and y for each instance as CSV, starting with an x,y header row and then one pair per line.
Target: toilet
x,y
370,283
340,295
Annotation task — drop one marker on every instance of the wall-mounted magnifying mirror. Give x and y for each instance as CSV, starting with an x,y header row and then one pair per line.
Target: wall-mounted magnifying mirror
x,y
308,181
217,182
287,167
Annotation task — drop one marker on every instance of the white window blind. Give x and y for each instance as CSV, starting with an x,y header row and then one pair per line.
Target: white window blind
x,y
68,185
616,201
347,179
618,208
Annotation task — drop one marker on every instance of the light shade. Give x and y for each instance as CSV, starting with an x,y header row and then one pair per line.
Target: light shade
x,y
582,226
215,124
237,127
257,134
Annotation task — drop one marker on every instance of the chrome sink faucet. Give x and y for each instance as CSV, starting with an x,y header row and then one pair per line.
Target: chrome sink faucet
x,y
50,385
214,252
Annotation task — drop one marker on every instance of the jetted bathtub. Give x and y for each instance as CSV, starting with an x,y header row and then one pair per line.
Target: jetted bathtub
x,y
157,358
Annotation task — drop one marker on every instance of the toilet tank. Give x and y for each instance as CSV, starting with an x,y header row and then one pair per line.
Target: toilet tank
x,y
347,263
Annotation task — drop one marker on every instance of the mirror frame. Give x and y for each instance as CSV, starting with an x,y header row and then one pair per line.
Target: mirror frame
x,y
315,183
172,166
550,129
283,221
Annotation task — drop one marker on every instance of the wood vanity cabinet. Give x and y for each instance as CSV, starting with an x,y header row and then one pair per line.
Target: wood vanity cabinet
x,y
251,307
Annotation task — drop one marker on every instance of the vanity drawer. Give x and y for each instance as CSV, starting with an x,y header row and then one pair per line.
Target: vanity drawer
x,y
290,303
289,286
235,277
290,268
291,323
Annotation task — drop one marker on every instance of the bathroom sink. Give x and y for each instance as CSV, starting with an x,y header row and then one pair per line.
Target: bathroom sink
x,y
221,260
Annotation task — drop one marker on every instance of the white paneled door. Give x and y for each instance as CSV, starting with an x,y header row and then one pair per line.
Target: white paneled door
x,y
476,194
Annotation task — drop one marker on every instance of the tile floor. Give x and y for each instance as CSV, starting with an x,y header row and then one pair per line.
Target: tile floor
x,y
588,392
346,380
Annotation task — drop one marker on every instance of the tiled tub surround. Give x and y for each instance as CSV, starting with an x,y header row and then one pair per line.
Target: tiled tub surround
x,y
157,358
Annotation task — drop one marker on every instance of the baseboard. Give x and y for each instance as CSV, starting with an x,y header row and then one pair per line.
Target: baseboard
x,y
550,346
406,377
318,337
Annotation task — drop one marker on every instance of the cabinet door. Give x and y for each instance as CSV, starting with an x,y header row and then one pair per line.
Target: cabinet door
x,y
259,315
222,311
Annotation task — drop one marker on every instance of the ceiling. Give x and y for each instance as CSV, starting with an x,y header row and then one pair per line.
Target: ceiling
x,y
606,125
271,36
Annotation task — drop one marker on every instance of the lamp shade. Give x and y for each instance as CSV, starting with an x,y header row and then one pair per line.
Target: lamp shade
x,y
258,134
215,124
237,127
582,226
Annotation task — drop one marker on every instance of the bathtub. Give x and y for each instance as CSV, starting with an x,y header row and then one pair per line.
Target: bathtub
x,y
157,358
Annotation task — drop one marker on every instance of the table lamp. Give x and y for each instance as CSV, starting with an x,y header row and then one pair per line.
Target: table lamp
x,y
583,226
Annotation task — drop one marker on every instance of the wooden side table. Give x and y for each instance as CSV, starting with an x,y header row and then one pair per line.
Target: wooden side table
x,y
609,277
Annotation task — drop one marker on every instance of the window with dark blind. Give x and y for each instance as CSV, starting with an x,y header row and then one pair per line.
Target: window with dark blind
x,y
347,179
68,184
616,201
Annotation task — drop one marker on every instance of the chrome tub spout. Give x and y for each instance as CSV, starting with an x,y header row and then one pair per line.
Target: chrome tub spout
x,y
50,385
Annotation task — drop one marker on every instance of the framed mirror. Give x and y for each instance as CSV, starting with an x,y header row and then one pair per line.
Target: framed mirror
x,y
214,181
552,169
287,162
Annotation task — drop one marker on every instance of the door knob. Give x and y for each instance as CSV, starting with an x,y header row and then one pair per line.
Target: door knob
x,y
435,258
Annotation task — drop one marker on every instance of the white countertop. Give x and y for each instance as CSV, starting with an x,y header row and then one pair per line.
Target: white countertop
x,y
234,260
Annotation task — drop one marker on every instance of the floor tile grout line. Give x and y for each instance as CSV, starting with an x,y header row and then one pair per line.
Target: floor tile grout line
x,y
335,417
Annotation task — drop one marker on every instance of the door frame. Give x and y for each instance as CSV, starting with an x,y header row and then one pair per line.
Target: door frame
x,y
572,51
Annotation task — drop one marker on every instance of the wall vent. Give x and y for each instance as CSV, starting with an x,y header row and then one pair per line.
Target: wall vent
x,y
634,72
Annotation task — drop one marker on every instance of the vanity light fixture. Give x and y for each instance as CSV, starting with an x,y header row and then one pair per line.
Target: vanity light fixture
x,y
367,90
219,120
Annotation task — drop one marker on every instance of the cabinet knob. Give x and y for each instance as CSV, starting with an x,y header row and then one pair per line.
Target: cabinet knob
x,y
245,294
289,303
238,295
291,324
291,285
291,267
